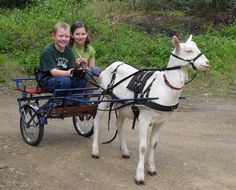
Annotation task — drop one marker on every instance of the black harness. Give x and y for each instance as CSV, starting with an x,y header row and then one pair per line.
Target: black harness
x,y
137,84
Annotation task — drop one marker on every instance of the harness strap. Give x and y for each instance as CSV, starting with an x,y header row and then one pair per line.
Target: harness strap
x,y
137,84
192,64
191,61
135,109
136,114
160,107
113,78
147,90
109,115
164,69
191,79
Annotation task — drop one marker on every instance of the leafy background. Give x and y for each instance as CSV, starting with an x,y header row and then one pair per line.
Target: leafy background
x,y
25,31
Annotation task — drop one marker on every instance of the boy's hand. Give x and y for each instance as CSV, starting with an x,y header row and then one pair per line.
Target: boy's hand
x,y
78,73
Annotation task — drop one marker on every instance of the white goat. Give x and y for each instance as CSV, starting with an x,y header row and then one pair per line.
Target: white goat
x,y
167,87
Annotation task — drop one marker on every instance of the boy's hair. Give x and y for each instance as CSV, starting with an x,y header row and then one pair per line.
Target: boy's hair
x,y
58,25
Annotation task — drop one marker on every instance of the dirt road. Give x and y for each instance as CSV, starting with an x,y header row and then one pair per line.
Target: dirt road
x,y
197,151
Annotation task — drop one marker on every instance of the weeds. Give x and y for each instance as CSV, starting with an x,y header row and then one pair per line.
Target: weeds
x,y
24,34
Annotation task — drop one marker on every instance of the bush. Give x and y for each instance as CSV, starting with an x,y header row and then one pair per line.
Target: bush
x,y
9,69
25,33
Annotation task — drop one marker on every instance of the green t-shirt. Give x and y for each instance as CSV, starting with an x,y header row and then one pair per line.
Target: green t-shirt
x,y
51,58
80,52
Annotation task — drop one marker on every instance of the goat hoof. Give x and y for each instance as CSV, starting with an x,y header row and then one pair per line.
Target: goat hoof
x,y
141,182
125,156
95,156
152,173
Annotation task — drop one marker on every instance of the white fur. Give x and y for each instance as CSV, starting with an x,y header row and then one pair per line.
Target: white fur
x,y
147,116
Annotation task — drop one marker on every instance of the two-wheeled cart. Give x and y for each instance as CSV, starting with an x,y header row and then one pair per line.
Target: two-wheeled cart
x,y
36,107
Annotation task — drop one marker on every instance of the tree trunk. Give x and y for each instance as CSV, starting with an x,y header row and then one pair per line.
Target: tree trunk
x,y
134,7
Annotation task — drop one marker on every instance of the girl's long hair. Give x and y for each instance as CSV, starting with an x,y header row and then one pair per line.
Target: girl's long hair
x,y
79,24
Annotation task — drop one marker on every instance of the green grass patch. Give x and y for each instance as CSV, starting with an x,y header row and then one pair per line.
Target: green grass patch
x,y
24,34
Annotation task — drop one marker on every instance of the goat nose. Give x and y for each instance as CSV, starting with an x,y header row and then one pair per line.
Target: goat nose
x,y
208,62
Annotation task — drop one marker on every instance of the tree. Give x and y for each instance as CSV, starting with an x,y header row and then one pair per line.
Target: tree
x,y
15,3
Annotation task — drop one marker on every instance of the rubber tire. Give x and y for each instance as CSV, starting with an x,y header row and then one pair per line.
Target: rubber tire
x,y
79,130
31,109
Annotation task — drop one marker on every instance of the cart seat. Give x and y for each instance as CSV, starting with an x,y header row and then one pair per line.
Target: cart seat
x,y
32,90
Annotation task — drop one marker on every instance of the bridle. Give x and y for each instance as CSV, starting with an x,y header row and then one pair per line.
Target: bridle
x,y
190,61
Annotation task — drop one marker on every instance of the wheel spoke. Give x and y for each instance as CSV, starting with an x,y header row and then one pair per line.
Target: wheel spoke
x,y
83,124
31,130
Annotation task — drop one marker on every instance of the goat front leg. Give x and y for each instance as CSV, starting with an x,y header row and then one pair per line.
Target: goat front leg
x,y
143,128
123,147
96,125
153,143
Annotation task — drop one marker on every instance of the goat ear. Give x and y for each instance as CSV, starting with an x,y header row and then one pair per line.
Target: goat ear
x,y
176,43
190,38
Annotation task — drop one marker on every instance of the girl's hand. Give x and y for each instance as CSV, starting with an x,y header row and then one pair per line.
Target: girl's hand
x,y
82,62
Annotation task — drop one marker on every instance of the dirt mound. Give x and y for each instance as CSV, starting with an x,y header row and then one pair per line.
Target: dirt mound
x,y
179,25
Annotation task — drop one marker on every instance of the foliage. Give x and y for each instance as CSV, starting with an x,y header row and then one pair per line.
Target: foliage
x,y
24,34
212,5
9,69
221,51
123,43
28,30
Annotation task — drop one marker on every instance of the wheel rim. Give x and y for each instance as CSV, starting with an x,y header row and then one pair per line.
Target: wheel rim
x,y
84,123
30,125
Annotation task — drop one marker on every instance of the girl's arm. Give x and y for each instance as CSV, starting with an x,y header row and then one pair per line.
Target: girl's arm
x,y
91,61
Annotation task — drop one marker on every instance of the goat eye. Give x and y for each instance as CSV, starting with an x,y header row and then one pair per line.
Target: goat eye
x,y
189,51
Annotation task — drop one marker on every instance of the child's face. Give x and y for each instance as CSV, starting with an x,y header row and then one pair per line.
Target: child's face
x,y
80,36
61,37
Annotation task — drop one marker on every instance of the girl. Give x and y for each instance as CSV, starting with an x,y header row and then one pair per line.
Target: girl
x,y
84,53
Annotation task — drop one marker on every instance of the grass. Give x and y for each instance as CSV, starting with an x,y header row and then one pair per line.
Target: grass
x,y
24,34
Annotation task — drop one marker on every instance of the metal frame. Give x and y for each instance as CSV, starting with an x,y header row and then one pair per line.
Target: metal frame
x,y
47,105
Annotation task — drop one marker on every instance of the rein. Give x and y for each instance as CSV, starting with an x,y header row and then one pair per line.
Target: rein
x,y
151,105
110,87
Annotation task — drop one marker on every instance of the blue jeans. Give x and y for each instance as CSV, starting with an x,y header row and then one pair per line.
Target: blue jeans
x,y
49,84
92,71
95,70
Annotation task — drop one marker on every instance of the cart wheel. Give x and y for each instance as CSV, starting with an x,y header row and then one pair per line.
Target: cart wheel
x,y
31,130
84,125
